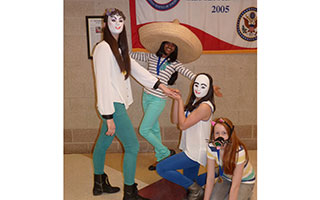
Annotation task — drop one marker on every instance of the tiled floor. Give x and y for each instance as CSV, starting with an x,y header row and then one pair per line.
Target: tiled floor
x,y
78,174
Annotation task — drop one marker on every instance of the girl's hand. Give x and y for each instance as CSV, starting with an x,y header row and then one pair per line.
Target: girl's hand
x,y
111,127
176,94
175,90
167,91
216,90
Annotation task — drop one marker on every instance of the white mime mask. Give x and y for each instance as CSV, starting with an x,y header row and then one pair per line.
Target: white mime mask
x,y
115,24
201,86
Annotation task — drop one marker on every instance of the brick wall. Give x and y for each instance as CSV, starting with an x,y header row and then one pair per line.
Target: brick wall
x,y
236,74
83,140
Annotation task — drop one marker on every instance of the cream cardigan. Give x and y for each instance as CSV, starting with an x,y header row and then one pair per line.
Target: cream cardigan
x,y
110,83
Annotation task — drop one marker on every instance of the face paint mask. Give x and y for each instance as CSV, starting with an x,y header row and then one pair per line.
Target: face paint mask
x,y
201,86
115,24
219,142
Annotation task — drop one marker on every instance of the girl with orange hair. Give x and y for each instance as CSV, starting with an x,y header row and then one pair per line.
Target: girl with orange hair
x,y
229,156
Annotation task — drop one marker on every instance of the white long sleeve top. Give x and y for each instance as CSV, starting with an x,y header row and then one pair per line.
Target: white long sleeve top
x,y
111,85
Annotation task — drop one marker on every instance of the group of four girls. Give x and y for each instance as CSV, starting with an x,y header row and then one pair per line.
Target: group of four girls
x,y
218,149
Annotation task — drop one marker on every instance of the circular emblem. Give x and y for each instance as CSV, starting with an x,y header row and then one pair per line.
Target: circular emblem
x,y
247,24
163,6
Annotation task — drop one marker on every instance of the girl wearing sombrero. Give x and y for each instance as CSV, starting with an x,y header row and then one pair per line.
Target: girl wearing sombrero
x,y
171,45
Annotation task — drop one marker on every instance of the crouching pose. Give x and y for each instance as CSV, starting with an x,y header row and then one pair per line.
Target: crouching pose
x,y
194,121
228,155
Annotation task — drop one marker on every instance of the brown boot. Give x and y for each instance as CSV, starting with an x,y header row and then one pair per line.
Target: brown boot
x,y
195,192
102,184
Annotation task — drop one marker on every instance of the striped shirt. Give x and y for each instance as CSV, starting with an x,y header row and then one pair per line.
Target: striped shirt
x,y
165,72
248,175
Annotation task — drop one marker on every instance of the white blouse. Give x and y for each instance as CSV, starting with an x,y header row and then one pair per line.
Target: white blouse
x,y
194,140
111,85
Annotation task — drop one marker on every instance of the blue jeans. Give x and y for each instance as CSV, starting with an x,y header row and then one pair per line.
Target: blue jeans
x,y
150,128
169,166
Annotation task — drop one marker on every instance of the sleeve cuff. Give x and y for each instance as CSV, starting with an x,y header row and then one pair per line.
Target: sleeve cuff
x,y
156,85
107,116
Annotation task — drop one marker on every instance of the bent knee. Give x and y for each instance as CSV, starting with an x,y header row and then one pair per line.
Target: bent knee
x,y
144,131
160,168
132,148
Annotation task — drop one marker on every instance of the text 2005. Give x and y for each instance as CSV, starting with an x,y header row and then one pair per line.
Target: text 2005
x,y
220,9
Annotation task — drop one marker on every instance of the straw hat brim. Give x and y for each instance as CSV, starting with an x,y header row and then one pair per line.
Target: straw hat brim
x,y
153,34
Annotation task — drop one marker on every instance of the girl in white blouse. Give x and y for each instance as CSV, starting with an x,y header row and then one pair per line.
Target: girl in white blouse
x,y
112,67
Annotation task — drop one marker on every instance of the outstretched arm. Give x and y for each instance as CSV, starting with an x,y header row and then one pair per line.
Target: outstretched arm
x,y
185,71
142,75
140,56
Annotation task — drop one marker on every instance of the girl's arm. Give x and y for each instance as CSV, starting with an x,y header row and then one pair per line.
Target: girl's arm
x,y
102,69
185,72
142,75
210,178
236,181
140,56
102,60
203,112
174,113
216,90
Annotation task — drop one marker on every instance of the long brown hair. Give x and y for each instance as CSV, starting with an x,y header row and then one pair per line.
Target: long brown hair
x,y
230,151
209,97
123,59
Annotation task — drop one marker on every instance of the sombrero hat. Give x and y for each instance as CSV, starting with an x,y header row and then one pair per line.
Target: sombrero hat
x,y
153,34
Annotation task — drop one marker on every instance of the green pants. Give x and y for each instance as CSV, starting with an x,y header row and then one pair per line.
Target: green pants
x,y
127,136
150,129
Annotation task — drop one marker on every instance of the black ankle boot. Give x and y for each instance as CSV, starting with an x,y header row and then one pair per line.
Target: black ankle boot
x,y
195,192
102,184
131,193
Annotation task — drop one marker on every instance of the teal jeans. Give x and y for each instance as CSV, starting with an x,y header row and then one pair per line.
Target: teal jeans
x,y
127,136
150,128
